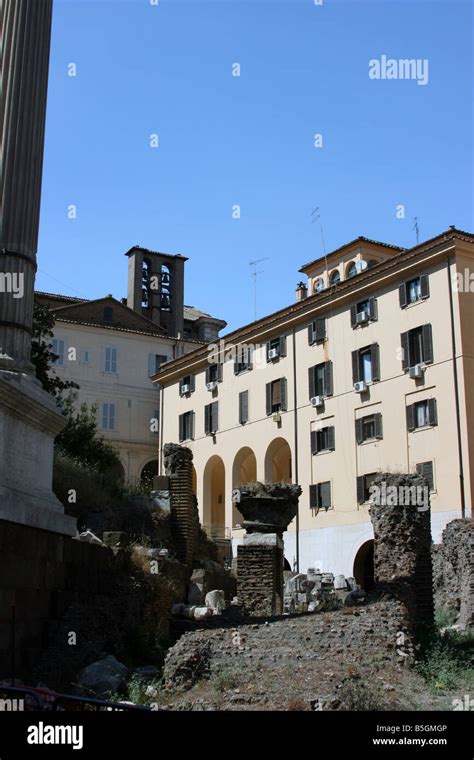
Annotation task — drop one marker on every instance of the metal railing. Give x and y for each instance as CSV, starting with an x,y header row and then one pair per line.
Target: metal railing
x,y
218,532
42,699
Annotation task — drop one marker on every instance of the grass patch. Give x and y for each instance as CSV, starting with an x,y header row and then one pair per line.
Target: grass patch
x,y
448,661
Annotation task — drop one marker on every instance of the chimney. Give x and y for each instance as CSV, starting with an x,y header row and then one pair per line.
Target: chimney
x,y
301,291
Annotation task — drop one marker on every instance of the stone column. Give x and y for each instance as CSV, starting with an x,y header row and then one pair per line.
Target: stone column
x,y
29,417
401,518
178,461
267,512
26,31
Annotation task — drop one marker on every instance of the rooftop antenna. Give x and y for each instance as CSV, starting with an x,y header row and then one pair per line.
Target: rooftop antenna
x,y
316,217
416,228
255,274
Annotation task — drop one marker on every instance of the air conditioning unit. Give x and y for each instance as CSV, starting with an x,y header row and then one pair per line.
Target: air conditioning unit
x,y
360,387
185,389
210,386
317,401
362,316
276,417
273,353
416,371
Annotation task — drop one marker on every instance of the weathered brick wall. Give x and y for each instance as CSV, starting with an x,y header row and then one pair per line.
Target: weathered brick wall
x,y
183,504
260,579
402,551
453,565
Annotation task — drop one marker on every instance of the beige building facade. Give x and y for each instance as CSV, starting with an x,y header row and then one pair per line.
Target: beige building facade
x,y
370,370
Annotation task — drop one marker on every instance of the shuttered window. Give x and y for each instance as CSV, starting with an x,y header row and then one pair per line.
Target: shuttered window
x,y
417,346
416,289
320,379
317,330
276,396
363,487
187,385
366,364
320,495
243,359
368,428
186,426
243,407
364,311
323,439
421,414
276,348
211,418
426,469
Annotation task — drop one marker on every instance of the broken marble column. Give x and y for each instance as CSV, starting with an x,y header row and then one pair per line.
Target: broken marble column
x,y
400,514
267,511
29,417
178,461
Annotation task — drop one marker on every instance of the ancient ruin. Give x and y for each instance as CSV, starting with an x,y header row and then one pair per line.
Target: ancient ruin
x,y
178,461
401,517
267,511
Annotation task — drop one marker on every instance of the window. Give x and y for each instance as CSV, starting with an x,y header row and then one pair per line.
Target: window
x,y
154,363
243,359
414,290
417,346
186,426
276,348
320,495
368,428
108,314
363,485
364,311
421,414
276,396
317,330
108,416
243,407
214,373
320,379
211,418
335,277
366,364
352,269
57,347
187,385
318,285
426,469
323,440
110,363
86,357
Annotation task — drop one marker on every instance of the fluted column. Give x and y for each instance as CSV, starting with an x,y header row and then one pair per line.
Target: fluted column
x,y
26,33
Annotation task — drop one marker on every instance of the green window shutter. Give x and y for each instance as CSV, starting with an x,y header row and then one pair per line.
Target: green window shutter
x,y
402,295
192,383
432,412
243,407
355,367
360,489
405,350
320,328
378,425
214,417
314,442
325,489
312,382
267,350
373,308
427,344
358,431
192,425
207,419
268,395
219,372
425,286
237,362
311,333
208,374
375,358
353,315
331,438
328,389
181,427
284,394
313,497
411,417
283,345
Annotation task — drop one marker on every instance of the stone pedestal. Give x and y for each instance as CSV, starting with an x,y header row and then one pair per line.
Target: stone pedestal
x,y
401,518
267,511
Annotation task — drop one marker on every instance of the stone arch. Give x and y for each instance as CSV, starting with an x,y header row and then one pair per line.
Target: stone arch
x,y
351,269
244,470
213,508
364,565
148,472
278,466
334,277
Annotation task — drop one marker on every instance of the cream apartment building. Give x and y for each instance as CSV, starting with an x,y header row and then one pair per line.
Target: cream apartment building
x,y
371,369
111,348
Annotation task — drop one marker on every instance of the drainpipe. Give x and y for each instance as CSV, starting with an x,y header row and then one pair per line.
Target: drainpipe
x,y
296,476
160,442
456,390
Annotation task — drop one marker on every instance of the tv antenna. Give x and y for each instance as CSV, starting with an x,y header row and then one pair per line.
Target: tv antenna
x,y
255,274
316,217
416,228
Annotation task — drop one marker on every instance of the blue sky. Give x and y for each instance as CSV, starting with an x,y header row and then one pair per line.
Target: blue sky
x,y
144,69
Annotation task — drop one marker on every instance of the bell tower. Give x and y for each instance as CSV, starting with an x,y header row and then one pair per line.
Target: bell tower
x,y
156,287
